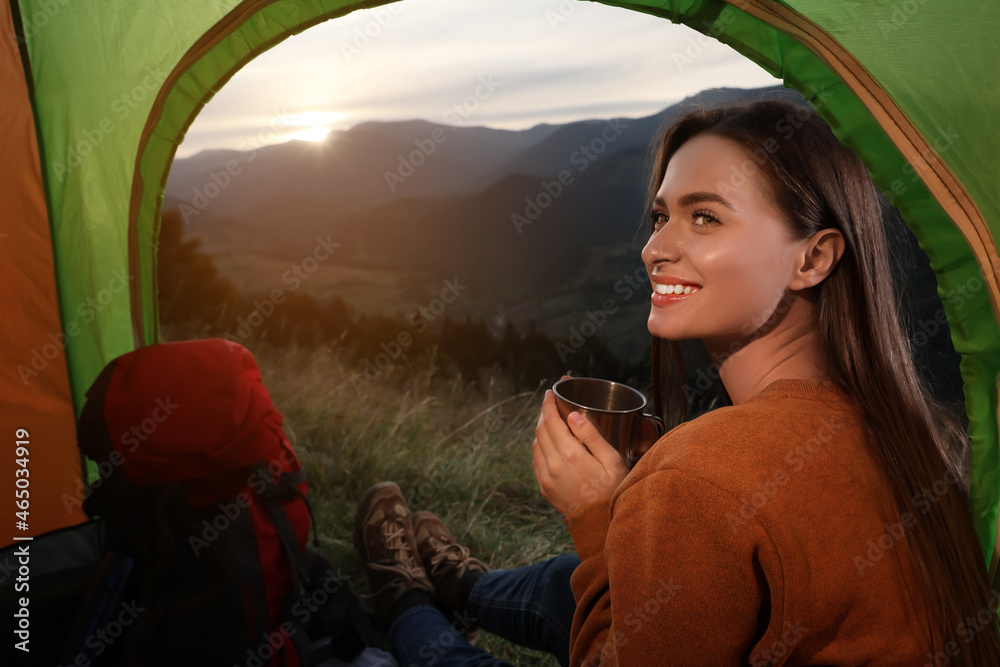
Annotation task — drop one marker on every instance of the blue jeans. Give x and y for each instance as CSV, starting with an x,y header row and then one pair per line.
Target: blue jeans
x,y
531,606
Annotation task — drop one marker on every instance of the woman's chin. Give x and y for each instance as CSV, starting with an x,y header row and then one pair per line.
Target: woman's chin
x,y
658,330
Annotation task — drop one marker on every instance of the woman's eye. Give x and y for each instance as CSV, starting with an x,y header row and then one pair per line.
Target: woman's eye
x,y
706,219
659,219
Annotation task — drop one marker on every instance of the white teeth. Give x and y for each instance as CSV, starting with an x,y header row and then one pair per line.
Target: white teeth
x,y
676,289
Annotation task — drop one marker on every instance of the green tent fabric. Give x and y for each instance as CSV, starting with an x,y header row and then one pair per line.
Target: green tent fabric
x,y
908,84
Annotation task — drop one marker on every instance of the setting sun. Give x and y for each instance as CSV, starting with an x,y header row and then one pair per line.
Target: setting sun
x,y
317,133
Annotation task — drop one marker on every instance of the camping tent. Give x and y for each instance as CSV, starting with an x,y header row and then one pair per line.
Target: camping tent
x,y
98,95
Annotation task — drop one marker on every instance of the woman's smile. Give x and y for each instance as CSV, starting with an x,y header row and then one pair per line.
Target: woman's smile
x,y
669,290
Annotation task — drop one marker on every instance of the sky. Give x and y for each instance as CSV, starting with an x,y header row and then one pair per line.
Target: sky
x,y
508,64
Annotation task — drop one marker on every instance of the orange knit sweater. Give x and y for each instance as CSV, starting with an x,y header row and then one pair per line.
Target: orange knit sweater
x,y
757,534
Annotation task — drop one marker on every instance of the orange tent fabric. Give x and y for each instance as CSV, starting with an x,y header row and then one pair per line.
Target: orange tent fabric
x,y
32,333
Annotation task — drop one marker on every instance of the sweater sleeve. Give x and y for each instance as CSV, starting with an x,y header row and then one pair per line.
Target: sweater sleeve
x,y
680,580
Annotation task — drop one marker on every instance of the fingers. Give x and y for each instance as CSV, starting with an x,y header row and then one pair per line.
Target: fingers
x,y
543,442
558,439
555,447
550,417
602,450
567,435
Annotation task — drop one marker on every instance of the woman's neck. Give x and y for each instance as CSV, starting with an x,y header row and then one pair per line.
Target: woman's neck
x,y
790,351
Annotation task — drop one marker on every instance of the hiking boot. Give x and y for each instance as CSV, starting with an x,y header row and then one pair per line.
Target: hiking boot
x,y
447,561
383,538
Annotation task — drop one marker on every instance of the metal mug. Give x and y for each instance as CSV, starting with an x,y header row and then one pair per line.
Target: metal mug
x,y
615,409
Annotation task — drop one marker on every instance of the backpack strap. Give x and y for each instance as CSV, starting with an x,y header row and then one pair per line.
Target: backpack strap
x,y
289,483
272,495
334,612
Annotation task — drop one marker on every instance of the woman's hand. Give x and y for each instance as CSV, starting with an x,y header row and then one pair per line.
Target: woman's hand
x,y
568,475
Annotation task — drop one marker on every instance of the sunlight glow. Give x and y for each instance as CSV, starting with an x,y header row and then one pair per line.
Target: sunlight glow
x,y
317,133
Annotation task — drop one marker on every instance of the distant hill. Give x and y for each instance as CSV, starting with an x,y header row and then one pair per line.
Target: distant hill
x,y
346,171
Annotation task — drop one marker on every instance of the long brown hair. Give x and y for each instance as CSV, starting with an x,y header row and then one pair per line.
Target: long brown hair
x,y
818,184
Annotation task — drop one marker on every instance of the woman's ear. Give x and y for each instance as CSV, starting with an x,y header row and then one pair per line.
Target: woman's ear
x,y
819,255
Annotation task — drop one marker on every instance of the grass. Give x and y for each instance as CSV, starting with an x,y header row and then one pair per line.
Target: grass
x,y
461,452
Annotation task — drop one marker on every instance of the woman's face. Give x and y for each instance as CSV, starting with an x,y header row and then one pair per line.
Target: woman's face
x,y
717,234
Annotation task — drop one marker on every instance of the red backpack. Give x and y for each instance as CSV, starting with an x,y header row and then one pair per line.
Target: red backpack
x,y
200,489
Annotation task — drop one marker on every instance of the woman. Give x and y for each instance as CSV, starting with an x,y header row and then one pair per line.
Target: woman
x,y
820,519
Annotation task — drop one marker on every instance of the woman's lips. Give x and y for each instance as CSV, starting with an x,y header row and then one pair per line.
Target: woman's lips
x,y
658,299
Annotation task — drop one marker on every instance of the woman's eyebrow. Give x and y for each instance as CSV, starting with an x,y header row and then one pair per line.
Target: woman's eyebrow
x,y
696,198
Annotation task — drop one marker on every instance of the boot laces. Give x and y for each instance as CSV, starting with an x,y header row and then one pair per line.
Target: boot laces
x,y
449,556
401,560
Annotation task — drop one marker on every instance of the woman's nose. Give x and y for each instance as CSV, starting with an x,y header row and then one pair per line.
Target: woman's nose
x,y
662,246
